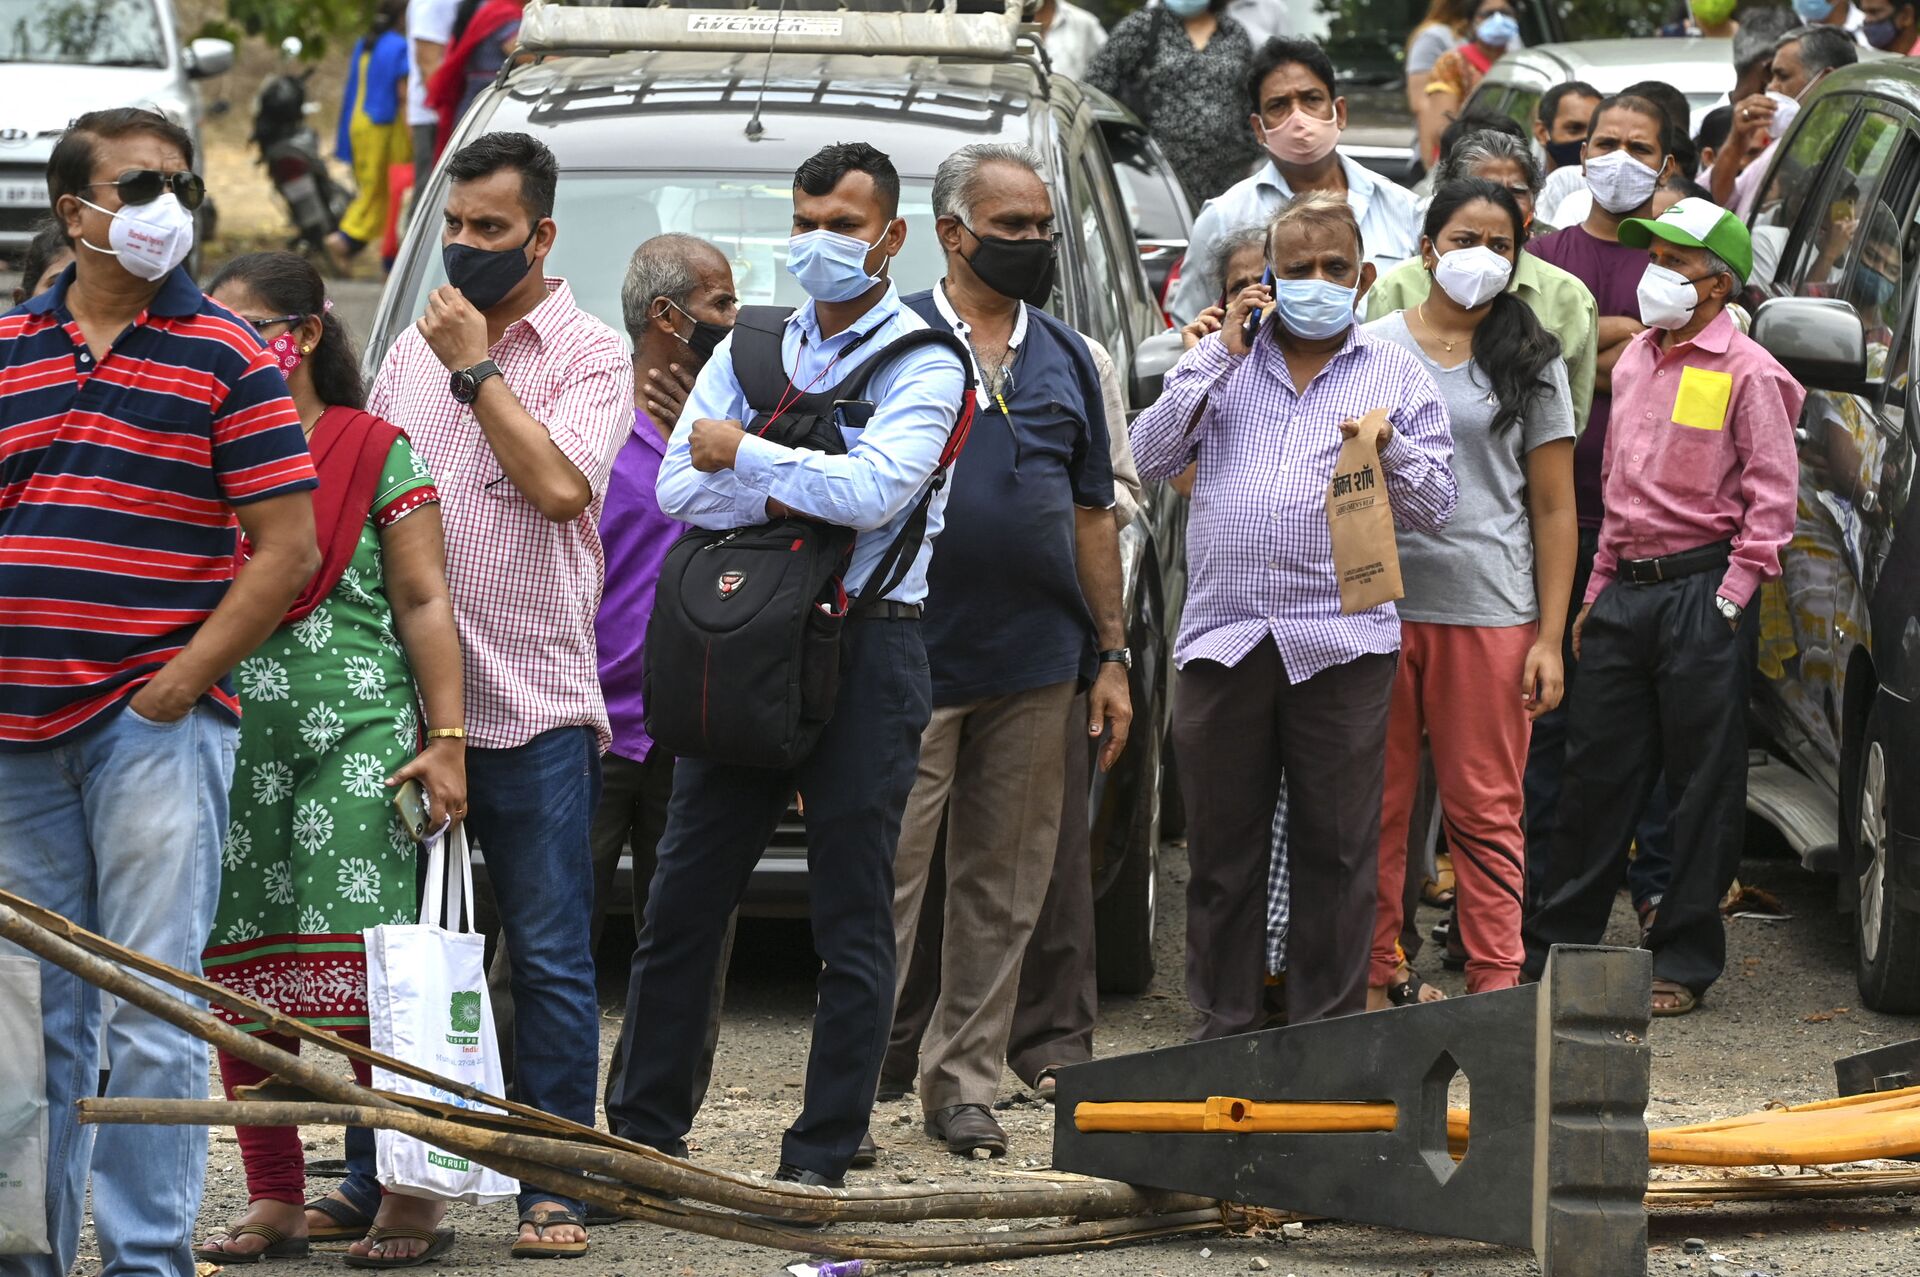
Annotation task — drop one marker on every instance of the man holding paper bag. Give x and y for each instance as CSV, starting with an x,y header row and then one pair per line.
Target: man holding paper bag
x,y
1286,662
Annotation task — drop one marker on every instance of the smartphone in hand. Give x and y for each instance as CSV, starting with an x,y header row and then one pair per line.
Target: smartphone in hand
x,y
410,800
1255,315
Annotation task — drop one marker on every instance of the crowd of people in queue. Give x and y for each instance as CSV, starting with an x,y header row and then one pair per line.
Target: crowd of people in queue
x,y
447,576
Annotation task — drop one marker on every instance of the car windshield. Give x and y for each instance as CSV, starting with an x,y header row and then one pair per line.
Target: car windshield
x,y
1154,207
603,217
122,33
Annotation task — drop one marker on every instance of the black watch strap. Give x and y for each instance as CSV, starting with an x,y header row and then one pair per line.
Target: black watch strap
x,y
481,371
1117,656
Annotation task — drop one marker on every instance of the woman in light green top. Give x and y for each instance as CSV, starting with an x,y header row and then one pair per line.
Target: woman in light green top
x,y
1559,300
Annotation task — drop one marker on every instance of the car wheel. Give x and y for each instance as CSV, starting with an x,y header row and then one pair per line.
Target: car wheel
x,y
1124,916
1887,957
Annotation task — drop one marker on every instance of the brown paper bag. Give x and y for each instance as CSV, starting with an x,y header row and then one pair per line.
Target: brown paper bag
x,y
1365,558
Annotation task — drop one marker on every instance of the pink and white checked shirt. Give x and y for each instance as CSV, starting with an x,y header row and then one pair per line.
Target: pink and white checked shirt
x,y
1259,556
525,589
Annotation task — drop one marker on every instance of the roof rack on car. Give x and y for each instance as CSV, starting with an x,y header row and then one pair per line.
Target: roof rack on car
x,y
919,28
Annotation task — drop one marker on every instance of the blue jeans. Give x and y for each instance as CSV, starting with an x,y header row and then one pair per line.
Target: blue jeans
x,y
120,830
531,809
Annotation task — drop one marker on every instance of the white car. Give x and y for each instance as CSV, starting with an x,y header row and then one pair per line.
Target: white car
x,y
60,59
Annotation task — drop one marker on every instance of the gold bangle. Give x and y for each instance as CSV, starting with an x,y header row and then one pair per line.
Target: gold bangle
x,y
447,733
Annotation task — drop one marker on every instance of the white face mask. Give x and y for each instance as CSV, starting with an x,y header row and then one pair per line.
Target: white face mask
x,y
1619,182
149,239
1667,298
1472,276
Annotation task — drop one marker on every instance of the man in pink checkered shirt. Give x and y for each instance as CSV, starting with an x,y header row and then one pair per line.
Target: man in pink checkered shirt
x,y
517,400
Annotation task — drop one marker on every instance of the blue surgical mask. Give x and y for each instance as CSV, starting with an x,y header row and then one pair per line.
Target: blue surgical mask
x,y
832,267
1812,10
1880,33
1314,308
1185,8
1871,288
1498,30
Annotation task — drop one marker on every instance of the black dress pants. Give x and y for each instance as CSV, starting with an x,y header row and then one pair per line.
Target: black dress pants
x,y
1662,691
855,784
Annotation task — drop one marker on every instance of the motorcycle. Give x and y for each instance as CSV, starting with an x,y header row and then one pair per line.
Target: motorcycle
x,y
291,152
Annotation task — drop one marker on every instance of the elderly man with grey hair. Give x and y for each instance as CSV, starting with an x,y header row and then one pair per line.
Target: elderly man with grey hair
x,y
1023,610
678,302
1564,305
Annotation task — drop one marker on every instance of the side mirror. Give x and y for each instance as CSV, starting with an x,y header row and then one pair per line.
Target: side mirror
x,y
1152,359
207,58
1819,341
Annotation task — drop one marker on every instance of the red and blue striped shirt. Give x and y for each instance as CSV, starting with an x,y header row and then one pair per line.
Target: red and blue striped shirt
x,y
117,489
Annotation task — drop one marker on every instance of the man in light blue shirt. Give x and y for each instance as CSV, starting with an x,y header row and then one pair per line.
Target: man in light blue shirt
x,y
1298,118
846,230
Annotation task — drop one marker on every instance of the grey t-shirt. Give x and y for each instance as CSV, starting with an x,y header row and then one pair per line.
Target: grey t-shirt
x,y
1478,570
1428,43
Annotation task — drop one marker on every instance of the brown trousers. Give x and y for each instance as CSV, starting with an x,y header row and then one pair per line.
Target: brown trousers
x,y
994,769
1235,728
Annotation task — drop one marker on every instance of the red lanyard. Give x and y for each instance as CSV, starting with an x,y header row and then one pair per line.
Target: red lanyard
x,y
790,396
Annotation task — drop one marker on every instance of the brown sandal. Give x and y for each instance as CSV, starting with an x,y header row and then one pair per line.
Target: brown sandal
x,y
1685,1000
279,1246
439,1241
543,1218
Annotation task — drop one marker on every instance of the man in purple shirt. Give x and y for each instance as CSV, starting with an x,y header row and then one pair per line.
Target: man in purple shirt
x,y
1272,673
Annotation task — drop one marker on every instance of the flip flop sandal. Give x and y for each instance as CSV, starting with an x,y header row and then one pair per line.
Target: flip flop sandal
x,y
542,1220
1407,992
1685,999
350,1222
1045,1086
439,1241
279,1246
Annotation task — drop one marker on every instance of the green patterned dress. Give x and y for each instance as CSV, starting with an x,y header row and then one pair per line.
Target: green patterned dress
x,y
314,850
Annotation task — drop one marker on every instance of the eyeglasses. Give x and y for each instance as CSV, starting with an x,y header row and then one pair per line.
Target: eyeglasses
x,y
261,325
144,185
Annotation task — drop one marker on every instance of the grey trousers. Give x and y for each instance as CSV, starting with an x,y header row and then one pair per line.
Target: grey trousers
x,y
995,770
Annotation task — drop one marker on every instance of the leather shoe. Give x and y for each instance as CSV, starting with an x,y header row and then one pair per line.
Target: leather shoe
x,y
966,1127
866,1155
791,1174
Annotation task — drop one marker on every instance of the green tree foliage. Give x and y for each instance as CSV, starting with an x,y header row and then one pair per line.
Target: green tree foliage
x,y
316,23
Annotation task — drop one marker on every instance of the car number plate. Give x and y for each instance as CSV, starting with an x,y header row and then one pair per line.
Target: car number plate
x,y
23,194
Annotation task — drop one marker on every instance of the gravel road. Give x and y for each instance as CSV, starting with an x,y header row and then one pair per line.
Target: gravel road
x,y
1769,1032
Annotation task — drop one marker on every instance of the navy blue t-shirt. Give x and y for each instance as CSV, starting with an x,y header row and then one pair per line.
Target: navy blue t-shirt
x,y
1004,612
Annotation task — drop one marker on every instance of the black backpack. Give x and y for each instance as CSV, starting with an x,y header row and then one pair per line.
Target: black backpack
x,y
743,652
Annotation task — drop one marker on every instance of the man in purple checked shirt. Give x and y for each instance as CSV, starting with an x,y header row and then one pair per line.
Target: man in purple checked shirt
x,y
1272,674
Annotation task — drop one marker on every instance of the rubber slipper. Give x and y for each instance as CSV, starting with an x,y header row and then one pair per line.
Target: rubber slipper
x,y
279,1246
1045,1086
439,1241
542,1219
1685,999
350,1223
1407,992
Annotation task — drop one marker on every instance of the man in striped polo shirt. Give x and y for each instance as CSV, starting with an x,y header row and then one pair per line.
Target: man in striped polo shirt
x,y
138,421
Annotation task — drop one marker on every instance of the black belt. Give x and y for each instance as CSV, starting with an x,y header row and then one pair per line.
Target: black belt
x,y
1671,567
883,610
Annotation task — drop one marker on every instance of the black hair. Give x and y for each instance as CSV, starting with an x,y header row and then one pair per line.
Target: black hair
x,y
1280,51
1510,346
1479,121
825,168
49,241
1714,129
528,156
1687,189
70,167
387,16
462,19
1673,104
1639,106
1551,99
288,283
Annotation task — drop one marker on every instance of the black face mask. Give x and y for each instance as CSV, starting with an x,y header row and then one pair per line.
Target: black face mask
x,y
1018,268
1564,153
485,276
705,336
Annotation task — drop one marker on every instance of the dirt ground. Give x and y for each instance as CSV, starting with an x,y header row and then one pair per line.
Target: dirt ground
x,y
1768,1033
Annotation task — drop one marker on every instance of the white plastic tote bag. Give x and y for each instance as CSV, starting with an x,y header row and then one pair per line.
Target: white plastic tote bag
x,y
427,1004
23,1112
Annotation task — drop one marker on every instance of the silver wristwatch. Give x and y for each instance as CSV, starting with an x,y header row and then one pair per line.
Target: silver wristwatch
x,y
1729,609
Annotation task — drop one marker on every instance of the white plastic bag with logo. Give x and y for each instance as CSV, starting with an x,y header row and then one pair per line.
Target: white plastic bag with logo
x,y
23,1112
427,1004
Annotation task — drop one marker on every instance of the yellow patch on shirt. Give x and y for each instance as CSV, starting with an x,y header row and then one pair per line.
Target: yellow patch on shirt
x,y
1703,398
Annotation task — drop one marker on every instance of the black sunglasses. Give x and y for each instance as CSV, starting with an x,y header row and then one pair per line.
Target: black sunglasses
x,y
144,185
261,325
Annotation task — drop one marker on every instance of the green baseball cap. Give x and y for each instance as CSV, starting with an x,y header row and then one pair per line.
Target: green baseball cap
x,y
1696,223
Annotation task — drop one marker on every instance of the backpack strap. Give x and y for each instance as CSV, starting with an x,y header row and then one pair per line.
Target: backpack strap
x,y
898,559
757,365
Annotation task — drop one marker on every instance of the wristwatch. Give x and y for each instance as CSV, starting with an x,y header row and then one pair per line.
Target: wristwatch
x,y
1729,609
466,381
1118,655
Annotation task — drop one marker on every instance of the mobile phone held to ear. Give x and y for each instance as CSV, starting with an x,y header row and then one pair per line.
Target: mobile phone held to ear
x,y
410,800
1255,315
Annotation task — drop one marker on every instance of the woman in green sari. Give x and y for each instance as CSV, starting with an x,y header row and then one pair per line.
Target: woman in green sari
x,y
335,705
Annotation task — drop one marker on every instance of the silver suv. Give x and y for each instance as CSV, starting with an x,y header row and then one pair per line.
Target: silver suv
x,y
60,59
